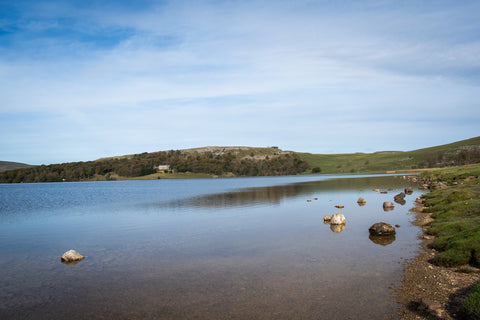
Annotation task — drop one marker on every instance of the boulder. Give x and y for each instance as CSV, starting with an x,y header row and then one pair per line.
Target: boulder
x,y
337,218
381,229
72,256
387,206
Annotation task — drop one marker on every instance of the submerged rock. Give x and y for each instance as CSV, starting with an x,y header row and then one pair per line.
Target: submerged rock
x,y
337,218
382,229
72,256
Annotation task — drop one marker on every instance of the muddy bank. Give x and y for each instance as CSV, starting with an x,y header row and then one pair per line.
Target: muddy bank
x,y
429,291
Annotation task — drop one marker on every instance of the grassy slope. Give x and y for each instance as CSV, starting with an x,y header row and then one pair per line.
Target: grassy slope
x,y
381,161
6,165
456,210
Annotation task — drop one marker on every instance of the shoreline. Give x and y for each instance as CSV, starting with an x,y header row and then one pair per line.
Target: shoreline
x,y
428,291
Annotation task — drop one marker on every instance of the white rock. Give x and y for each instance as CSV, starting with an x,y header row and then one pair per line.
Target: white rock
x,y
72,255
337,218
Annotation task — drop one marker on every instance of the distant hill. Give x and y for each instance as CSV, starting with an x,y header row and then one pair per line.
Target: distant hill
x,y
243,161
7,165
201,162
452,154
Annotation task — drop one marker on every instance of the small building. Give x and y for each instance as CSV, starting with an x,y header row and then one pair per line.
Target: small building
x,y
162,167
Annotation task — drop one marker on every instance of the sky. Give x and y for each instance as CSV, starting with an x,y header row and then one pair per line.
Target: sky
x,y
81,80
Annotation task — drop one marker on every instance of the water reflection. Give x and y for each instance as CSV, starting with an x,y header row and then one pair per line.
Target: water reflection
x,y
275,194
337,228
382,240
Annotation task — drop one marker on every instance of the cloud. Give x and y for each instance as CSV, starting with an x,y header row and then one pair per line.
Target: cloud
x,y
121,78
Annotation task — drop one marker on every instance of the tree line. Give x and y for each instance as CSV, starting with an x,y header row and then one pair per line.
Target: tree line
x,y
146,163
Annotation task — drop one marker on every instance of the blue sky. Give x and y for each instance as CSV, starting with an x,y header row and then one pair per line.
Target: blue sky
x,y
80,80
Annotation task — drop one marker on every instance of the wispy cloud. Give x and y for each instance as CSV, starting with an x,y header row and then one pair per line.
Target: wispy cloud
x,y
310,76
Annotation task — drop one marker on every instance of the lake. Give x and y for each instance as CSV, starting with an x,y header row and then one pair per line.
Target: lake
x,y
233,248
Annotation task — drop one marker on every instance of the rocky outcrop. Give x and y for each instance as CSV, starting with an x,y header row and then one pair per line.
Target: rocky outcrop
x,y
337,218
382,229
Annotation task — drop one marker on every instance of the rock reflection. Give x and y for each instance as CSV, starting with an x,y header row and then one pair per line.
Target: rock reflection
x,y
337,228
71,263
382,240
275,194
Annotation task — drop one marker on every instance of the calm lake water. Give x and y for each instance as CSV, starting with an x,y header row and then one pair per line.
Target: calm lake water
x,y
237,248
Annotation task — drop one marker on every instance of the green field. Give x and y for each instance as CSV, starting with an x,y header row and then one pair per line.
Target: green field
x,y
457,153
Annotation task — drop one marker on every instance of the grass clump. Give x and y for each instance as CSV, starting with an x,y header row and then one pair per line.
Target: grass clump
x,y
471,306
456,210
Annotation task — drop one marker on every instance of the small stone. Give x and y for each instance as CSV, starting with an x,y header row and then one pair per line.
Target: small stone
x,y
387,206
71,256
327,218
339,206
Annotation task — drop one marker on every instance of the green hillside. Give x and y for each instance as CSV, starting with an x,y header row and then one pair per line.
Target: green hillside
x,y
457,153
246,161
7,165
190,163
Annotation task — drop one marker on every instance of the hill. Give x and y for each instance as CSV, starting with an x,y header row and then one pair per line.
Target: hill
x,y
246,161
457,153
7,165
201,162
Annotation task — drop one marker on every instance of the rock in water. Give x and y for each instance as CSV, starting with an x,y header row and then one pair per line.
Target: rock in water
x,y
408,190
387,206
361,201
382,229
71,256
399,197
337,218
327,218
